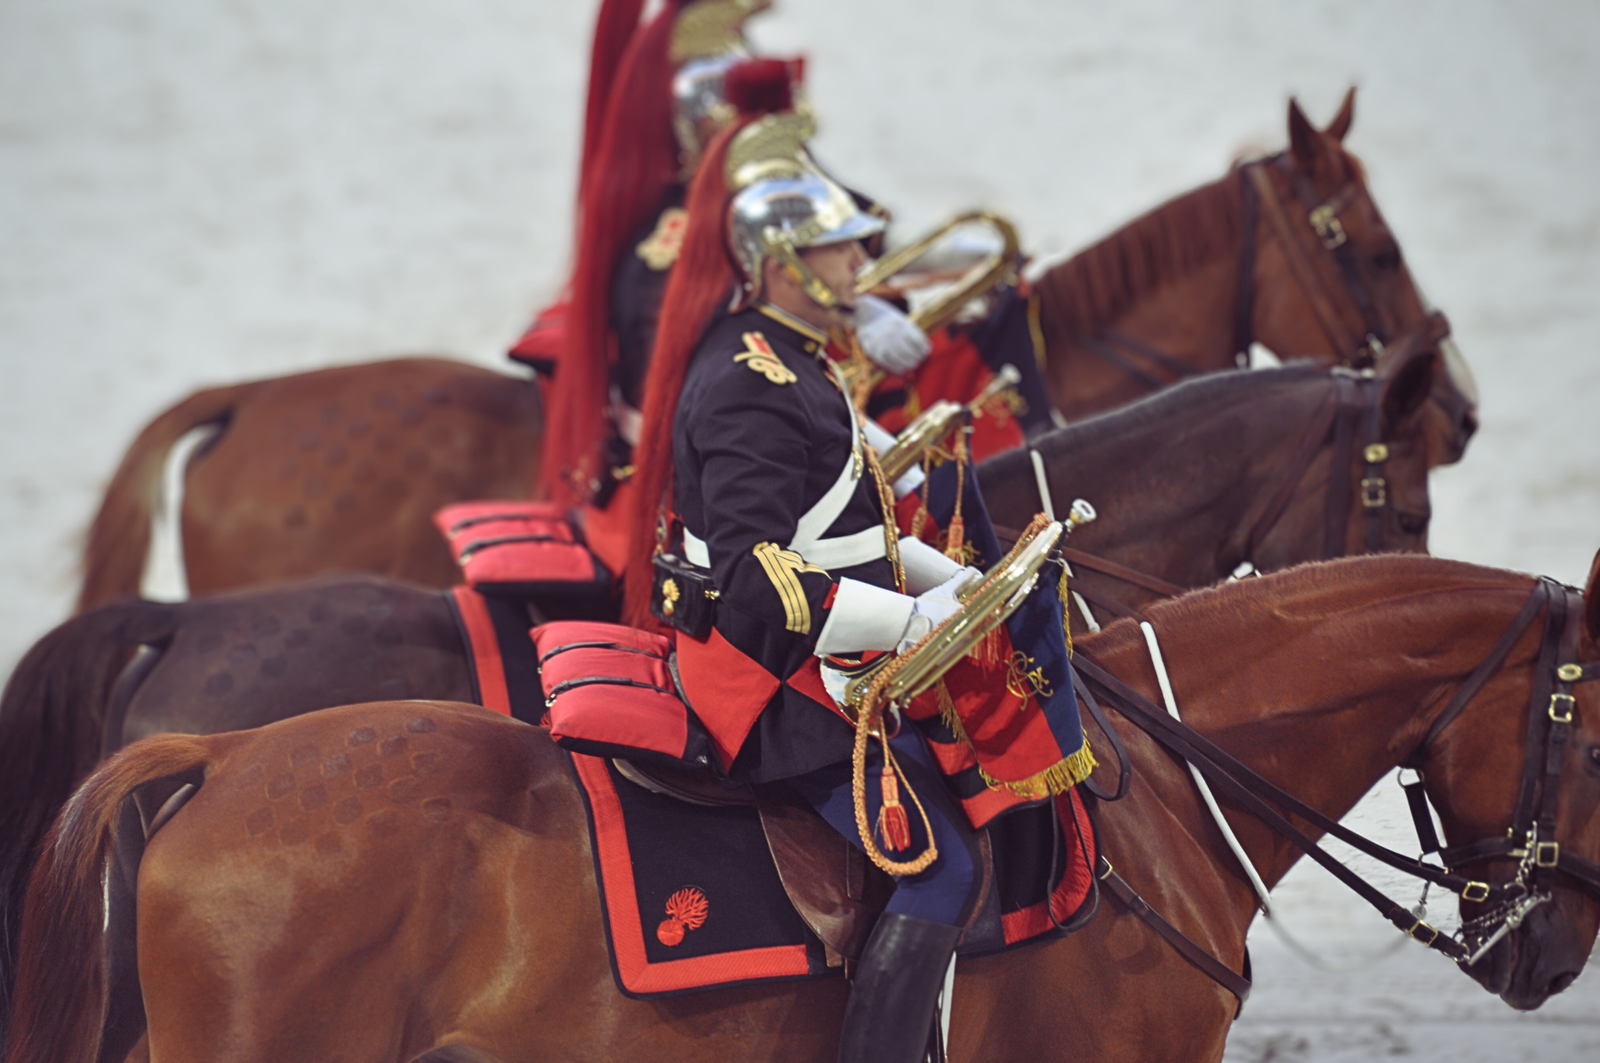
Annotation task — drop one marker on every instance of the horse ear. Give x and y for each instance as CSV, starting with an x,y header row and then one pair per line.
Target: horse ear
x,y
1341,121
1407,383
1304,140
1591,601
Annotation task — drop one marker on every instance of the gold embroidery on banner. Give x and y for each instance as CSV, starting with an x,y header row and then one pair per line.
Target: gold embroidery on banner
x,y
660,249
783,568
760,356
1024,677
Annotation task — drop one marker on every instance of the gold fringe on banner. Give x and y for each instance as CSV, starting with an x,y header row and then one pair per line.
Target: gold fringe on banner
x,y
1058,778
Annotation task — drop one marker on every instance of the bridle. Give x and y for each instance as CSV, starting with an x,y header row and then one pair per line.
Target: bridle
x,y
1353,416
1319,255
1530,840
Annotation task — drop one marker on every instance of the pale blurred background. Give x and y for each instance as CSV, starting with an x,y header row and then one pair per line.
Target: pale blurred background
x,y
201,191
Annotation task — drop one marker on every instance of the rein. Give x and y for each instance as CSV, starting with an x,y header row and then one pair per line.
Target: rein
x,y
1550,719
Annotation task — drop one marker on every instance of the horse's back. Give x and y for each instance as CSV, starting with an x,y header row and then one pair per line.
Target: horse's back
x,y
342,469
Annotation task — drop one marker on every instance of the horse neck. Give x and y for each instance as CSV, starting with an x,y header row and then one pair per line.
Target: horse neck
x,y
1178,480
1322,678
1168,280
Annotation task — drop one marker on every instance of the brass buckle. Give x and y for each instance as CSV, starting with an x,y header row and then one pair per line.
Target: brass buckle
x,y
1539,854
1570,673
1565,717
1374,492
1476,892
1420,925
1109,869
1325,220
1376,453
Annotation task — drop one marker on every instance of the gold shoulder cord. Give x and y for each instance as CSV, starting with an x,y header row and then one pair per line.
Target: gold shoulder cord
x,y
891,530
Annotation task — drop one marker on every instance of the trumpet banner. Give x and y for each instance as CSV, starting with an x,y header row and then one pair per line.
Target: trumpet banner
x,y
1008,709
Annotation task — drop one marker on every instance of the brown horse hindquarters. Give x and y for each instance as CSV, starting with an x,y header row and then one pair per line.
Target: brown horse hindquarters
x,y
341,470
426,868
335,470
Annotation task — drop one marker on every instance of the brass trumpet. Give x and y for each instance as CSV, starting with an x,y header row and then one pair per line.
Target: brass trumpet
x,y
995,268
985,605
936,422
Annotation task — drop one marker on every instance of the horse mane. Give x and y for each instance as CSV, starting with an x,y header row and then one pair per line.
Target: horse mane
x,y
1393,576
1208,393
1165,244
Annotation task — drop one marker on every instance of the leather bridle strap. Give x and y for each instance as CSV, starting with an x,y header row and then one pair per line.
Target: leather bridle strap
x,y
1127,575
1324,220
1244,301
1345,345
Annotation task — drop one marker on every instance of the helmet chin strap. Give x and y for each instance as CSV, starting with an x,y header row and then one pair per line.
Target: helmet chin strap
x,y
783,250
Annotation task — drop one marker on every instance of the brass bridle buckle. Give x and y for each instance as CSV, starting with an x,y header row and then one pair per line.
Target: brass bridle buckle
x,y
1325,220
1476,892
1547,854
1565,715
1374,493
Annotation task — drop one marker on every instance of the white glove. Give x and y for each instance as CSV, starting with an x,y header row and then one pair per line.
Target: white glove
x,y
888,337
934,608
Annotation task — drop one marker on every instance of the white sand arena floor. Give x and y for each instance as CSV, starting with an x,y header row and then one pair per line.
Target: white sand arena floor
x,y
200,191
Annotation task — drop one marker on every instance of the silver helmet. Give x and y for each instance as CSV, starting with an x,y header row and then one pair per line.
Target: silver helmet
x,y
700,107
781,213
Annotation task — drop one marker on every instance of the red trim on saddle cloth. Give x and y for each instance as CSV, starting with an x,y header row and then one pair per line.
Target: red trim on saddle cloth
x,y
726,689
905,518
1075,881
485,649
637,973
633,704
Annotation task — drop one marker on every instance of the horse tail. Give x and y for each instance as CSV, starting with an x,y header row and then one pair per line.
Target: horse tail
x,y
52,723
61,981
119,538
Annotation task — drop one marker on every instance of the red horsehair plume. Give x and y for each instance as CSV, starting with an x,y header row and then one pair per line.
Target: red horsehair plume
x,y
686,910
763,86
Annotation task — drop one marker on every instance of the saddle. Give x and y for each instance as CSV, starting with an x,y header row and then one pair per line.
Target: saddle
x,y
833,886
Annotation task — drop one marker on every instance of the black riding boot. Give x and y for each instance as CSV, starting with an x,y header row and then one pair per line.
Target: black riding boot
x,y
897,985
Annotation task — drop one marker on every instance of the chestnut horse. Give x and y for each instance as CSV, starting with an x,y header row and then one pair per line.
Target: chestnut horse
x,y
340,471
440,897
1181,481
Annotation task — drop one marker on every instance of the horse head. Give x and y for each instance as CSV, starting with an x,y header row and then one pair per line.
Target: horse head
x,y
1348,292
1535,942
1371,496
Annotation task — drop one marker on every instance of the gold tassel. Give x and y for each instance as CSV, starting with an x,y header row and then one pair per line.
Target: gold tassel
x,y
1058,778
956,536
894,825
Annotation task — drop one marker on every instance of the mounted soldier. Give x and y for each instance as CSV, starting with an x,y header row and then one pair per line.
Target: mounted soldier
x,y
750,439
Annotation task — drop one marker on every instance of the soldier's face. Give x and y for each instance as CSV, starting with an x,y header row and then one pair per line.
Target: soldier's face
x,y
836,266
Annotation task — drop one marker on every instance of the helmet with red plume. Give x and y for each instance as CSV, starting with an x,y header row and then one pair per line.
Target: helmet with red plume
x,y
635,161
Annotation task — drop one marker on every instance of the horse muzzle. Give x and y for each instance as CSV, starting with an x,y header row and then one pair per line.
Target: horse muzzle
x,y
1532,963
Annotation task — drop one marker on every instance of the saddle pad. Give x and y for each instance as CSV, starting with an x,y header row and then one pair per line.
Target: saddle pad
x,y
521,549
690,895
611,692
505,668
692,899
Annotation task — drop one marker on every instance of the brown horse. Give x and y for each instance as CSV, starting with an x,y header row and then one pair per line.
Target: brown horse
x,y
280,491
1179,479
439,896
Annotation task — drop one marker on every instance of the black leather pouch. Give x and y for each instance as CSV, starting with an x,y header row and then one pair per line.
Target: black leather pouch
x,y
683,595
